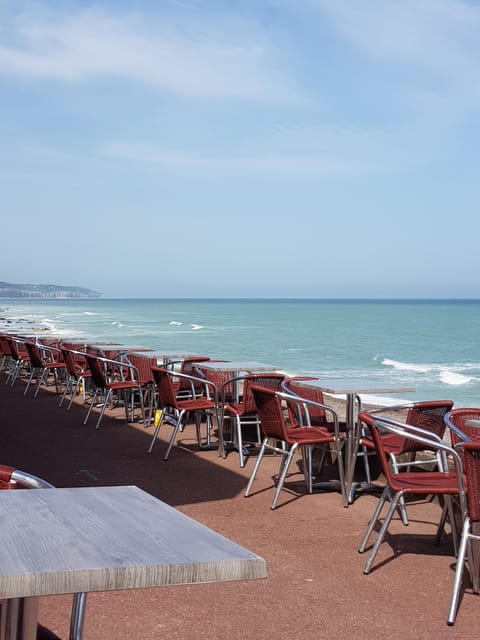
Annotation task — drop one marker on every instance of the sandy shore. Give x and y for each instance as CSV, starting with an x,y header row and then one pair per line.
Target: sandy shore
x,y
316,587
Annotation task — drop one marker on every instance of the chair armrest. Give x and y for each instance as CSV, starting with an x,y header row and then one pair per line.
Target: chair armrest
x,y
194,380
304,403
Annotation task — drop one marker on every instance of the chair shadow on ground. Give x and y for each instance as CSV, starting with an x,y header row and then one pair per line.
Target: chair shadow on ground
x,y
69,453
401,543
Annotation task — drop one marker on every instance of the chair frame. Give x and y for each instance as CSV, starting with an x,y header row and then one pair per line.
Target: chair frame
x,y
401,484
11,478
77,374
399,446
243,412
43,360
470,452
295,436
174,410
124,378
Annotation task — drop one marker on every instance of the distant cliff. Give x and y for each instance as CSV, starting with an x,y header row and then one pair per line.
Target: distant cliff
x,y
8,290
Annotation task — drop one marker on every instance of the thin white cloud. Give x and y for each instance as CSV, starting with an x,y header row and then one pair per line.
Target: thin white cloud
x,y
437,36
316,151
189,62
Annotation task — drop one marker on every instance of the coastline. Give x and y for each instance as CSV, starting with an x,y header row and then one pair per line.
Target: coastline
x,y
370,340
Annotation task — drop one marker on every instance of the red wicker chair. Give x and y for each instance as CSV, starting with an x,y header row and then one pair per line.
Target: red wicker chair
x,y
113,376
401,484
470,541
244,411
44,360
77,374
268,403
428,415
173,410
18,358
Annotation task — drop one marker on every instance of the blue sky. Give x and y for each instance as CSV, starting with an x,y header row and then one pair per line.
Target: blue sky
x,y
258,148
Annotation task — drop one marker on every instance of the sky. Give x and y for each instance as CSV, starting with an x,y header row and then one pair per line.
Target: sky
x,y
248,148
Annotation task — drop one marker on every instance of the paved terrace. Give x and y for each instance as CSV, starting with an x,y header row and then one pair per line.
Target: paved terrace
x,y
316,588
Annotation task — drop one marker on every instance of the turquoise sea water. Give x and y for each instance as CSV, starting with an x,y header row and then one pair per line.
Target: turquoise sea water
x,y
432,345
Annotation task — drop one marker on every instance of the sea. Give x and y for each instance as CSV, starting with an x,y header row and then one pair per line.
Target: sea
x,y
430,345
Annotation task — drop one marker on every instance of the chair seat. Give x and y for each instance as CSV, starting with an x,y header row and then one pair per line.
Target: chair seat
x,y
418,482
392,444
122,384
310,435
197,404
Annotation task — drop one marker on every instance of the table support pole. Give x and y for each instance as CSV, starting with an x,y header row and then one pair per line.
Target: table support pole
x,y
78,616
18,619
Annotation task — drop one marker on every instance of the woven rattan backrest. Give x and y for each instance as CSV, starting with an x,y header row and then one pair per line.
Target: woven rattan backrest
x,y
144,366
220,379
317,414
188,367
428,416
269,409
97,370
69,360
269,380
166,390
471,466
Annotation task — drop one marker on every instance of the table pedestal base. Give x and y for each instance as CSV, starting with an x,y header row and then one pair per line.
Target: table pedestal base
x,y
362,487
18,619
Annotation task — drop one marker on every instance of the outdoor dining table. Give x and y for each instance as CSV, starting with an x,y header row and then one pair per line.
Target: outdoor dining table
x,y
351,388
80,540
163,356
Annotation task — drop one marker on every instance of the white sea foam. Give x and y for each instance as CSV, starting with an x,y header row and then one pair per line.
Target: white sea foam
x,y
407,366
196,327
453,378
175,322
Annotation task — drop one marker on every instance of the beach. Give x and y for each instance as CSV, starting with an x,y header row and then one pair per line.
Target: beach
x,y
316,587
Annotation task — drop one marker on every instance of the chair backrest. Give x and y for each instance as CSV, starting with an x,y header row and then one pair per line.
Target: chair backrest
x,y
269,408
96,366
457,422
36,356
317,415
428,415
221,379
143,365
188,367
17,348
167,396
471,467
70,362
267,380
4,346
427,440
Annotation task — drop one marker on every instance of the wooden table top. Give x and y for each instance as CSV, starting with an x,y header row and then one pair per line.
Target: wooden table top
x,y
107,538
237,365
350,385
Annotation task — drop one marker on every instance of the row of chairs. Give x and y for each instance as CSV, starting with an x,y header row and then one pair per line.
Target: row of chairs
x,y
455,476
285,419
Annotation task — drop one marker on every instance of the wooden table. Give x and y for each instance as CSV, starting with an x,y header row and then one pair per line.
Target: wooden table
x,y
164,356
86,539
238,366
351,388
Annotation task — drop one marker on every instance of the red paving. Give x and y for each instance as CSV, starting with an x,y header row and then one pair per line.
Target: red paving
x,y
316,587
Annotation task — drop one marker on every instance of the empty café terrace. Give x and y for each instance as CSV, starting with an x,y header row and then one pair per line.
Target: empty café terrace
x,y
315,585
